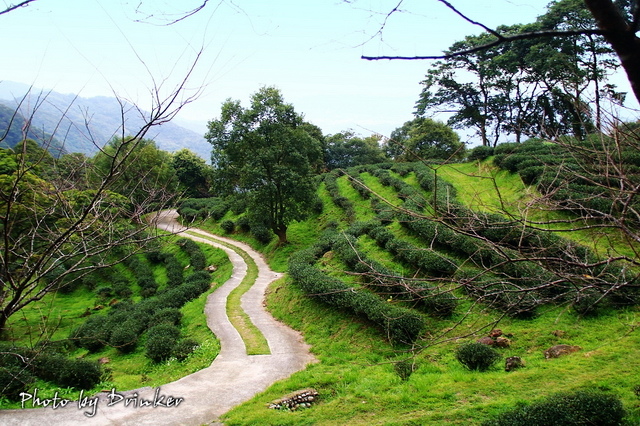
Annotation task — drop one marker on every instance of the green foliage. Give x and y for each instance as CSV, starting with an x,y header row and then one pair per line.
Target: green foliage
x,y
161,340
477,356
196,255
267,153
124,338
500,91
192,209
79,374
261,233
400,325
331,184
193,173
424,139
149,171
346,149
13,380
480,153
405,368
175,271
228,226
184,348
91,335
580,408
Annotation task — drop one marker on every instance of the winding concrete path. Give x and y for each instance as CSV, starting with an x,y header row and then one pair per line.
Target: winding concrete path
x,y
233,377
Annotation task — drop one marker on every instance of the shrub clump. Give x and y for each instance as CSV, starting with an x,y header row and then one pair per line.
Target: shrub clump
x,y
13,380
123,338
79,374
477,356
184,348
580,408
161,340
228,226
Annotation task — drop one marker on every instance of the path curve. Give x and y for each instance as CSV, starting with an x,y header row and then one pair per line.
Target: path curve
x,y
233,378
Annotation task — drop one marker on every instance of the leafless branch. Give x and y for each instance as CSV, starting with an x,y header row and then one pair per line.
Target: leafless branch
x,y
497,42
13,7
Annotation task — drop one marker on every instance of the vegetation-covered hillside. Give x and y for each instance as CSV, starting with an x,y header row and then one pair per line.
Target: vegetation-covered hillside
x,y
387,296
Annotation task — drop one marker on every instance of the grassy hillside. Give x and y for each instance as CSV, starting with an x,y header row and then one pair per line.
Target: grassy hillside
x,y
363,378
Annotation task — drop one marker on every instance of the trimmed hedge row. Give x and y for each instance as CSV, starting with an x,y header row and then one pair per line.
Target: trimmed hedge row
x,y
579,408
122,327
562,174
144,274
19,368
191,209
382,280
400,325
196,255
331,183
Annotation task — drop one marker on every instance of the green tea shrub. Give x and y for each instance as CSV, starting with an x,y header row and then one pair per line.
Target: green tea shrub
x,y
13,381
161,340
400,325
91,335
477,356
243,223
480,153
124,338
228,226
79,374
184,348
175,271
580,408
261,233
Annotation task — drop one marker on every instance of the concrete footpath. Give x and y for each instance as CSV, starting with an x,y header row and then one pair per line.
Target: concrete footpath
x,y
200,398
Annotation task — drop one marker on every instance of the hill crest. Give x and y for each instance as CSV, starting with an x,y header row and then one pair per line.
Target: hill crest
x,y
84,125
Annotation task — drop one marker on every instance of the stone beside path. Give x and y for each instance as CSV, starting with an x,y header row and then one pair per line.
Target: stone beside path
x,y
233,377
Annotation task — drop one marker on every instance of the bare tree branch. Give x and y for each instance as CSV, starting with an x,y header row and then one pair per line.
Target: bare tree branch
x,y
497,42
13,7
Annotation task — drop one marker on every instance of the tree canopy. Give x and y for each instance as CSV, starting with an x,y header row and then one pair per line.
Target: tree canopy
x,y
424,139
525,87
346,149
265,153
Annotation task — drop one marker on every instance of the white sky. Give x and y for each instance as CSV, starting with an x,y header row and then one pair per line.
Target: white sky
x,y
309,49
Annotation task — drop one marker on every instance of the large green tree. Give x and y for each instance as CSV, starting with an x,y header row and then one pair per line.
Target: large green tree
x,y
346,149
525,87
424,139
265,153
193,173
148,180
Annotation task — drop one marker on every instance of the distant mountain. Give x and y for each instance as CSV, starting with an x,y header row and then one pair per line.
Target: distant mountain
x,y
86,124
12,127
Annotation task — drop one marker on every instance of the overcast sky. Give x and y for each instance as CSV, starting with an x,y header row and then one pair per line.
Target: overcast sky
x,y
309,49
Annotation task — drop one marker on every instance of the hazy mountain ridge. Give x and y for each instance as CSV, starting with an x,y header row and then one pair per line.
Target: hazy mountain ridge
x,y
86,124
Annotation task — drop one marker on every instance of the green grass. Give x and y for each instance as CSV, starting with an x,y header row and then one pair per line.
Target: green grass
x,y
483,187
254,341
358,384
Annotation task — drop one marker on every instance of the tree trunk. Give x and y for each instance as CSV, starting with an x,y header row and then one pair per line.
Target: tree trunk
x,y
281,232
621,36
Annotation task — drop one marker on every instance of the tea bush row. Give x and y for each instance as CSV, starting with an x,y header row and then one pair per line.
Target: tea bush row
x,y
400,325
578,408
384,281
198,260
144,274
125,323
203,208
20,367
331,184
